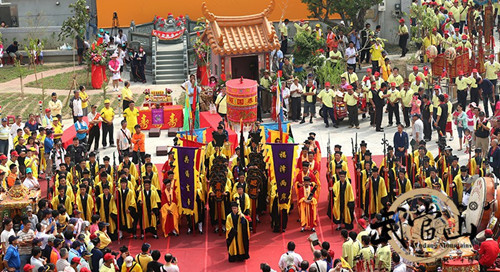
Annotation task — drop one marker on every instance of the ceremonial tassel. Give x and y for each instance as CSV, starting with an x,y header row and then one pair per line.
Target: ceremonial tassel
x,y
449,183
118,211
143,215
370,204
254,213
219,210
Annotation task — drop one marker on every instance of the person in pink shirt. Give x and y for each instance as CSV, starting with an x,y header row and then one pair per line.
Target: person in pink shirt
x,y
471,116
415,104
95,221
497,105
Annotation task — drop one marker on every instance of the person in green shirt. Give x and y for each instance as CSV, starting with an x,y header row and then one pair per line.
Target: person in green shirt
x,y
334,56
309,101
327,97
266,97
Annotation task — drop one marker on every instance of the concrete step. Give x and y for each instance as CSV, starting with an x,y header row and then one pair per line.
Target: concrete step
x,y
170,53
169,61
169,71
168,81
170,76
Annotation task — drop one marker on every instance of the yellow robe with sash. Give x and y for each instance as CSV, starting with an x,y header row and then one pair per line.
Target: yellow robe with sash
x,y
112,210
236,248
149,216
90,207
126,217
348,198
375,205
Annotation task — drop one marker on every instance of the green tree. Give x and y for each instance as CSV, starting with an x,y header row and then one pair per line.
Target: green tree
x,y
75,25
350,11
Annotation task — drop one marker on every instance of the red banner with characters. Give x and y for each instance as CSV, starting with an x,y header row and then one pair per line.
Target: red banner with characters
x,y
172,117
168,35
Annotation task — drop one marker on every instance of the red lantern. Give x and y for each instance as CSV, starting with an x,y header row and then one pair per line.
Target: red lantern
x,y
223,77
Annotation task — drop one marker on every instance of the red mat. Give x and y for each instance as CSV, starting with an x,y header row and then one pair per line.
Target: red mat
x,y
208,252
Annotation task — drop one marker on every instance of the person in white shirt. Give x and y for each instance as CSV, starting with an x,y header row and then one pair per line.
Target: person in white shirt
x,y
351,53
123,140
189,83
286,97
30,181
60,153
76,105
170,263
121,38
8,230
417,130
319,263
36,259
289,258
398,265
17,125
296,92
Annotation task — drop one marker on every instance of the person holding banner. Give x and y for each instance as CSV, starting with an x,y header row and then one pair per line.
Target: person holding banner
x,y
169,210
308,200
343,202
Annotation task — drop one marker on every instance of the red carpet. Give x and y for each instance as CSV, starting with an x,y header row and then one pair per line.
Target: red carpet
x,y
208,252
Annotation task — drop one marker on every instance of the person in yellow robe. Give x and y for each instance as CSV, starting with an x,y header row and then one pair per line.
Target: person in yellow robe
x,y
147,159
131,166
374,193
84,203
106,207
213,204
243,200
170,210
148,204
127,208
151,175
237,234
63,198
457,185
343,202
403,183
433,178
103,181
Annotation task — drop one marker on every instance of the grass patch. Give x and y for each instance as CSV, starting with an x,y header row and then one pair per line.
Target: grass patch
x,y
9,72
13,104
64,81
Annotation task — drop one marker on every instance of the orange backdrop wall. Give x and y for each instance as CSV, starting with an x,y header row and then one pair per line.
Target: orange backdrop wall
x,y
144,11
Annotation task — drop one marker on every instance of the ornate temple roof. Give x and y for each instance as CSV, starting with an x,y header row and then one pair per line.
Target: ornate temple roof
x,y
236,35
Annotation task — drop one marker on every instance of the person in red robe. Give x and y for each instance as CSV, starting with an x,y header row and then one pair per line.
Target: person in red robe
x,y
170,176
308,200
169,164
169,210
302,156
299,179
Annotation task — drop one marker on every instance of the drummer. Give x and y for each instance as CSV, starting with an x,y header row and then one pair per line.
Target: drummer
x,y
488,251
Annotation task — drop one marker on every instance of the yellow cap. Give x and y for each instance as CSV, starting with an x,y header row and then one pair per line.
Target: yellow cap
x,y
55,119
106,101
318,25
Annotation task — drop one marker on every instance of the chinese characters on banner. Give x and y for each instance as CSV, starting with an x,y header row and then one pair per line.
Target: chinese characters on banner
x,y
283,158
186,157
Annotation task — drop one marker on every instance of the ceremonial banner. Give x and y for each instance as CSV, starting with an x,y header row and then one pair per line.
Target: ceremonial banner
x,y
168,35
187,176
157,116
282,171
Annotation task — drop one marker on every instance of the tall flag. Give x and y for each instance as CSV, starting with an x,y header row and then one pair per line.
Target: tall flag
x,y
242,148
279,107
283,171
187,112
186,174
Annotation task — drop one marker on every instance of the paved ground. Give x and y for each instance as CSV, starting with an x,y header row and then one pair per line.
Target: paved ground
x,y
340,136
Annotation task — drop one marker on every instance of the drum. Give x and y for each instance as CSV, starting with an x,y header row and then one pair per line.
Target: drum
x,y
483,192
461,265
241,101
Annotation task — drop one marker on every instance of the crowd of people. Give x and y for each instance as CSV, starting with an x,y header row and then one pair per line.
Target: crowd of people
x,y
91,203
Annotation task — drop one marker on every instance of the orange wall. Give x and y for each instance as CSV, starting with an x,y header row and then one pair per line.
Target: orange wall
x,y
143,12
